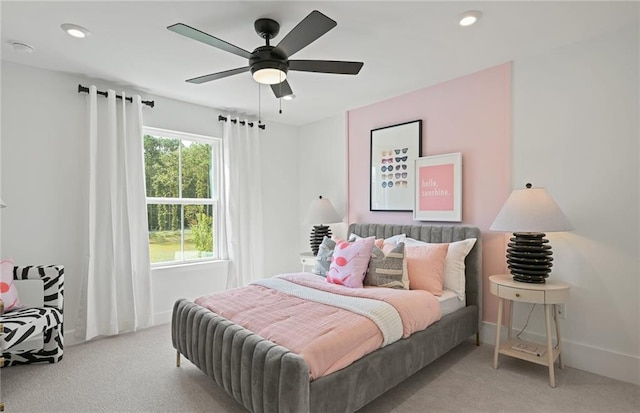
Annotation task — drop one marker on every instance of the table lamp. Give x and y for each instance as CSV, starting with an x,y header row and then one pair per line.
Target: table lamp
x,y
321,212
529,213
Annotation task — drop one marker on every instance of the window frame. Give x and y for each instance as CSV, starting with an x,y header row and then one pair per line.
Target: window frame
x,y
215,199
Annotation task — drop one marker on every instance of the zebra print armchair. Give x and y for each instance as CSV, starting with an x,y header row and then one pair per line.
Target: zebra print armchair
x,y
35,334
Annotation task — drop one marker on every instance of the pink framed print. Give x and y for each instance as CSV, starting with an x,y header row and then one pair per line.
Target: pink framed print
x,y
438,188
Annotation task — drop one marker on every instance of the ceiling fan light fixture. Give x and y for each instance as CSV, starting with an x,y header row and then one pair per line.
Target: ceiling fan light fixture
x,y
75,30
289,97
469,18
269,76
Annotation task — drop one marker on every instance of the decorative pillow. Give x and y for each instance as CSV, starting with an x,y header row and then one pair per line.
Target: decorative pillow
x,y
323,259
349,262
8,290
426,267
394,239
386,270
454,267
387,247
454,276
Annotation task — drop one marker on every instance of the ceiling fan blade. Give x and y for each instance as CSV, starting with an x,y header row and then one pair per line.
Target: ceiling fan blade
x,y
282,89
203,37
326,66
219,75
306,32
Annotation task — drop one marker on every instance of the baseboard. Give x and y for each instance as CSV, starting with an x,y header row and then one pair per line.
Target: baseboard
x,y
581,356
70,338
162,318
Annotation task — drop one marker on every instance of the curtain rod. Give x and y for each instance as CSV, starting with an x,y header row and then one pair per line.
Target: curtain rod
x,y
242,122
84,89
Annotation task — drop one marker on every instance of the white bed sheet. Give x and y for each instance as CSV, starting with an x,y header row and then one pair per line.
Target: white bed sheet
x,y
449,302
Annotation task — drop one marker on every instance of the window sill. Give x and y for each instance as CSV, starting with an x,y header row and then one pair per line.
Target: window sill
x,y
190,265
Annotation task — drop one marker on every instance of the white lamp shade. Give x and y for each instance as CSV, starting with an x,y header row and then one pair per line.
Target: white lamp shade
x,y
321,211
530,210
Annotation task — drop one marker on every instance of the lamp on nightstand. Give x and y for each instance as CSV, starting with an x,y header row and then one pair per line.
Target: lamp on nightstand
x,y
321,212
528,213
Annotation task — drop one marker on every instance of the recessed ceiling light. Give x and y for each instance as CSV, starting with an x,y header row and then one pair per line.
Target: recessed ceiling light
x,y
469,17
21,47
289,97
75,30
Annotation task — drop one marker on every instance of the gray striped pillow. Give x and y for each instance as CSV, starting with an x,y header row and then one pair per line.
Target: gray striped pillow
x,y
323,259
386,270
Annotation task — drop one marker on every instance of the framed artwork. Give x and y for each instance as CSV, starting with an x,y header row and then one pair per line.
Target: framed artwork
x,y
394,150
438,188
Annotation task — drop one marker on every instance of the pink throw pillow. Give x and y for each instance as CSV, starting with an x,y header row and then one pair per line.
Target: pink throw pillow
x,y
426,267
8,290
350,261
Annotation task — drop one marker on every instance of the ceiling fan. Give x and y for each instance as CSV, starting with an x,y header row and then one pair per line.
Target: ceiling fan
x,y
270,64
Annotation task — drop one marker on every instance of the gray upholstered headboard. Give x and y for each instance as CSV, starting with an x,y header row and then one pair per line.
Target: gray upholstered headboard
x,y
435,234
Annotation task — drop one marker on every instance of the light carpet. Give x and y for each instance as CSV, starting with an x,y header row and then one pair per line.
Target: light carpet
x,y
136,373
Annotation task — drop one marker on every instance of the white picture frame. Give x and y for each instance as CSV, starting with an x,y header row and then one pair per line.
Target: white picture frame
x,y
438,188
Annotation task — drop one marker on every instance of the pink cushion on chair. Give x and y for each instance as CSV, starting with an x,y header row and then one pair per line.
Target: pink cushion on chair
x,y
8,290
350,261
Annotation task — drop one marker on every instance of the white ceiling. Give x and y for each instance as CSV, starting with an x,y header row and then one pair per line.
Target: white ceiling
x,y
404,45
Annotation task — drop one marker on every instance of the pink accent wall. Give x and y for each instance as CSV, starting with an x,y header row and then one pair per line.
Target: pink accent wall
x,y
471,115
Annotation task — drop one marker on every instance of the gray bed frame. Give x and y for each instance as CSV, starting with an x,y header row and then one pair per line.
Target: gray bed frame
x,y
265,377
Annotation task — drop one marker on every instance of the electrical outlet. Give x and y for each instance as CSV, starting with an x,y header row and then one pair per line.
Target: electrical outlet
x,y
562,311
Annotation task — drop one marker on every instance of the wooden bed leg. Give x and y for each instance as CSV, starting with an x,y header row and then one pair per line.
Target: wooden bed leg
x,y
177,358
478,338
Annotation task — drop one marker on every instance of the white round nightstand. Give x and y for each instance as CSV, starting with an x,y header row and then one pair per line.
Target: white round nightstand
x,y
549,294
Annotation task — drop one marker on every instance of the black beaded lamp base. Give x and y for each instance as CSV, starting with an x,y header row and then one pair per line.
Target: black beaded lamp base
x,y
317,235
529,257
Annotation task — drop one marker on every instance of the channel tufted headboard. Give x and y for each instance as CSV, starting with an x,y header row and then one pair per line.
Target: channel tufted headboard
x,y
437,234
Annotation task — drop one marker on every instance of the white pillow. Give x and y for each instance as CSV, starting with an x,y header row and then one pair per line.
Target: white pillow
x,y
393,240
454,278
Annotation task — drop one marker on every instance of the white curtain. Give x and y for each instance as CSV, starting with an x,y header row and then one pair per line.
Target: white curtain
x,y
118,280
242,238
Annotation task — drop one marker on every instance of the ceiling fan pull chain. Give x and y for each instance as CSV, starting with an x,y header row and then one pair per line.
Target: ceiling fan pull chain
x,y
280,94
259,106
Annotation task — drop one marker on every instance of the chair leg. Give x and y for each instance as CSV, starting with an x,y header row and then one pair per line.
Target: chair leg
x,y
478,338
177,358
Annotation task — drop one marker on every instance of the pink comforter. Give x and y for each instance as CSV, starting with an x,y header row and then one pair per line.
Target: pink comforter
x,y
328,338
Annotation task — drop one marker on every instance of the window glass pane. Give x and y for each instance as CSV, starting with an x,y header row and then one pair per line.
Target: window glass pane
x,y
161,160
165,232
196,169
198,233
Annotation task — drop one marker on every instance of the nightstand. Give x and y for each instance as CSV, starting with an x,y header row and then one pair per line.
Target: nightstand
x,y
307,259
549,294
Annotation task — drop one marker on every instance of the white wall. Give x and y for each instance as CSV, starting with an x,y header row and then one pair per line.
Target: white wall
x,y
575,132
322,169
44,178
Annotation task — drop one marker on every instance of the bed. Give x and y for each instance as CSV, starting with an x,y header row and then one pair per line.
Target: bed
x,y
266,377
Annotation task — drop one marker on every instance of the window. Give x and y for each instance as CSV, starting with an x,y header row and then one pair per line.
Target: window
x,y
182,173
